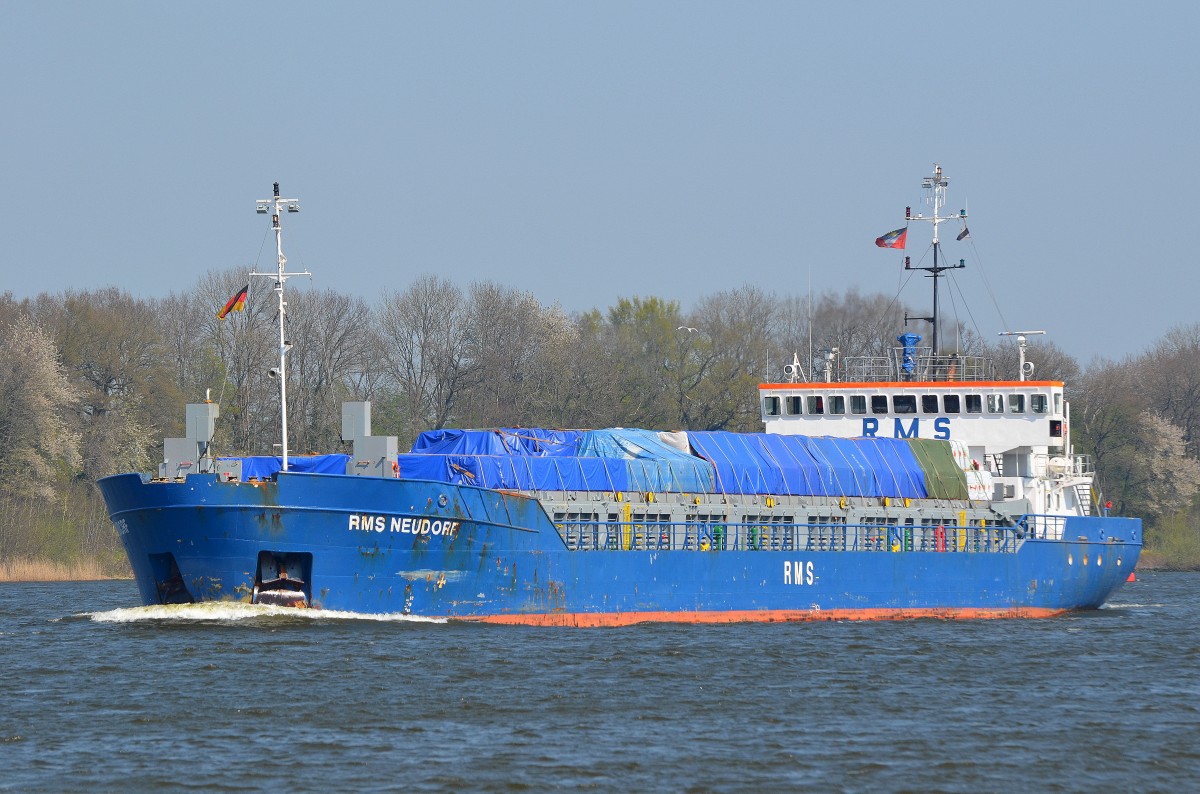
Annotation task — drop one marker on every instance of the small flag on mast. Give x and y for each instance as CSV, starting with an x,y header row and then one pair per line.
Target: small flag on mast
x,y
964,234
892,239
236,304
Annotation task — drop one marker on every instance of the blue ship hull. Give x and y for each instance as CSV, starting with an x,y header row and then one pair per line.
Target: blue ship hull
x,y
439,550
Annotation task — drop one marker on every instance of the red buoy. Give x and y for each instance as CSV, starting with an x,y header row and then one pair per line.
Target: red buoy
x,y
1131,578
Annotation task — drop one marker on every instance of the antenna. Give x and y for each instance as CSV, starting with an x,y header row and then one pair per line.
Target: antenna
x,y
275,206
1026,367
810,318
936,185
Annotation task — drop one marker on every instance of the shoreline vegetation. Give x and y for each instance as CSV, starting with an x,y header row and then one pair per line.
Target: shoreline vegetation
x,y
94,381
30,569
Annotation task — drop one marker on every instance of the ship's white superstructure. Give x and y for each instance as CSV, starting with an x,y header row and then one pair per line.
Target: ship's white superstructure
x,y
1011,436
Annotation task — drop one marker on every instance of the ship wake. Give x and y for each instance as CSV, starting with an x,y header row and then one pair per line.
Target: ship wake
x,y
231,611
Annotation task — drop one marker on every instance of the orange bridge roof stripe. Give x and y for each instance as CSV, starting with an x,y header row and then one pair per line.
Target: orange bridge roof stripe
x,y
919,384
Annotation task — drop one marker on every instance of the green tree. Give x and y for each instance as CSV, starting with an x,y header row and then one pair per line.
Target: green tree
x,y
1106,424
644,336
126,391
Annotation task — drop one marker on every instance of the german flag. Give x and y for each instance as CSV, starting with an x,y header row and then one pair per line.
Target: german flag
x,y
236,304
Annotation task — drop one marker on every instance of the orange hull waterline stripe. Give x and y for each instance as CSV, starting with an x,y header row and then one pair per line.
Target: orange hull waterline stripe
x,y
597,619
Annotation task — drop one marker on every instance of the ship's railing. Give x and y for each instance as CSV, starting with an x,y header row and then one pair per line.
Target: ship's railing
x,y
1083,466
922,366
1071,466
1042,527
702,536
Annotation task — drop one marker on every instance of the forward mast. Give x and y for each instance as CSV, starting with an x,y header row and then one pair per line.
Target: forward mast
x,y
276,206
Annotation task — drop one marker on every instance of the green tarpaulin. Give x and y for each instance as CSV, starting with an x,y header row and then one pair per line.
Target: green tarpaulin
x,y
943,477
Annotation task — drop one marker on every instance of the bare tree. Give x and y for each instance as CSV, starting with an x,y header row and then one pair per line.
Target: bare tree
x,y
1170,382
238,352
859,325
737,326
1050,361
329,334
520,349
592,395
428,346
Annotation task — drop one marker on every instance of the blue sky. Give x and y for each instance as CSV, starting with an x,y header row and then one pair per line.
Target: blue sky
x,y
589,151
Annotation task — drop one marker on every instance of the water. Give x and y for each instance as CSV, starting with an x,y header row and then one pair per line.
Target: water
x,y
95,695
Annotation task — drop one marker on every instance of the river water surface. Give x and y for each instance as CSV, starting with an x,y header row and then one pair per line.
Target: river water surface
x,y
98,694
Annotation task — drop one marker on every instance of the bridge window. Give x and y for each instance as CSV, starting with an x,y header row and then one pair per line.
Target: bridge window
x,y
837,404
905,403
771,406
793,405
816,405
1058,402
951,403
1016,403
995,403
858,404
974,404
1037,403
929,403
879,404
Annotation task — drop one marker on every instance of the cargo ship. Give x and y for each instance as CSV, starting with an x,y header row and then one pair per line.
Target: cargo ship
x,y
915,485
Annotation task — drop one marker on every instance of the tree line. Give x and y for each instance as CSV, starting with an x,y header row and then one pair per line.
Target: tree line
x,y
93,381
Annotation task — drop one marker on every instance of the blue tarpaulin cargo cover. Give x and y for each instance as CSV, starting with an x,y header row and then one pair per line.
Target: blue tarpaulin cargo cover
x,y
267,466
518,472
741,463
502,441
629,459
766,463
896,467
724,462
654,465
649,463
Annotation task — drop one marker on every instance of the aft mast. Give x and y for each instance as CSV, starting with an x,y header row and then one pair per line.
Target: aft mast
x,y
936,198
276,207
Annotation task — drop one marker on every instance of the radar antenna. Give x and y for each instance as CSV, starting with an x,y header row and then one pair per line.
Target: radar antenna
x,y
1026,367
